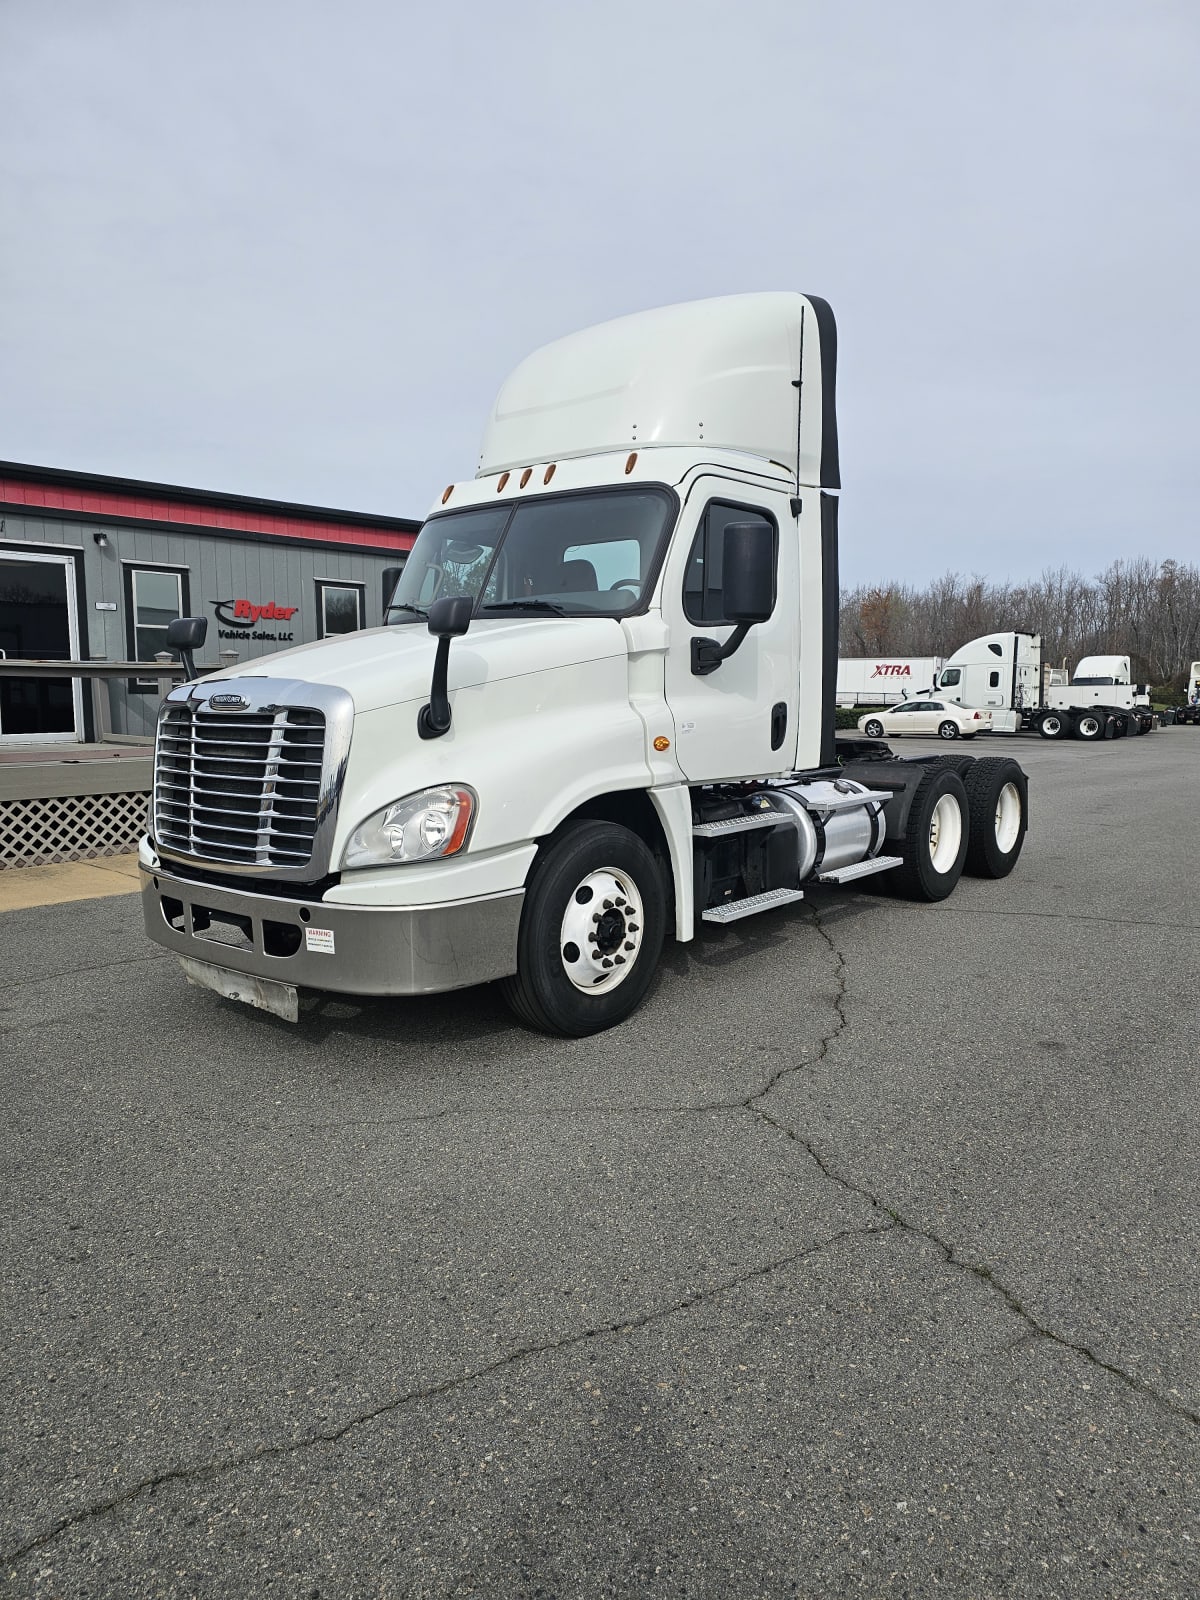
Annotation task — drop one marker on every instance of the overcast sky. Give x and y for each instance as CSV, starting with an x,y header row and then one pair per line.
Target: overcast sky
x,y
291,249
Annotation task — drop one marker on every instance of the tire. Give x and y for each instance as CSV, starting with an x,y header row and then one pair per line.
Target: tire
x,y
873,729
584,864
998,801
1090,726
935,837
948,730
1052,725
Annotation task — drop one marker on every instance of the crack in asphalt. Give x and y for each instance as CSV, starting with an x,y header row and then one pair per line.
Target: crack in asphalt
x,y
626,1325
981,1272
1073,916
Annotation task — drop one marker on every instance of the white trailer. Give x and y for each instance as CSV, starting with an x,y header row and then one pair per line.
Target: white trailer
x,y
601,712
882,680
1006,674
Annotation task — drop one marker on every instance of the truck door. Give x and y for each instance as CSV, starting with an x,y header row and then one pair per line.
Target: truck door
x,y
740,720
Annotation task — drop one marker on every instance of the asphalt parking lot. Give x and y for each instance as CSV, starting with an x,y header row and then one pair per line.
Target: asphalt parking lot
x,y
863,1260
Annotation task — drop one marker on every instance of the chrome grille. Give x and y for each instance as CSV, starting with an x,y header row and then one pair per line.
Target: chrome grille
x,y
239,787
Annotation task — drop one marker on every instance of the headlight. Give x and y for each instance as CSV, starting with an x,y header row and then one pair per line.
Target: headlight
x,y
434,823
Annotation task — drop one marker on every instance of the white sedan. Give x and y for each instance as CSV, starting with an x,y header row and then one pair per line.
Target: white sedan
x,y
940,717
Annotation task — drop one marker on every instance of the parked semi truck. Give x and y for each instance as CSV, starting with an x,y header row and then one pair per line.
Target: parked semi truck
x,y
882,680
1190,711
601,710
1006,674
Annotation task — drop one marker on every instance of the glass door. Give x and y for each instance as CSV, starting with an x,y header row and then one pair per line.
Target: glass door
x,y
38,623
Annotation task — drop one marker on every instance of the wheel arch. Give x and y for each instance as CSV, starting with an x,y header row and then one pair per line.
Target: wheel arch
x,y
663,824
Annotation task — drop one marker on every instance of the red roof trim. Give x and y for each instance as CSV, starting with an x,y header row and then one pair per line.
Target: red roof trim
x,y
144,508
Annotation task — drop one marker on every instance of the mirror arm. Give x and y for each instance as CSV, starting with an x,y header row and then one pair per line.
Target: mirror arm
x,y
189,661
433,720
707,654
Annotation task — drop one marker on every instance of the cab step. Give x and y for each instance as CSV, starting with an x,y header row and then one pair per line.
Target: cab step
x,y
754,819
860,869
735,910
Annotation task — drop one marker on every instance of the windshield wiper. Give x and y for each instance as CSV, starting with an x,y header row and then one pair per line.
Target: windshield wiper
x,y
524,605
400,606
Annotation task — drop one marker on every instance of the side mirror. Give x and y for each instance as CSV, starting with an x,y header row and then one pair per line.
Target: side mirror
x,y
747,590
186,634
748,572
449,618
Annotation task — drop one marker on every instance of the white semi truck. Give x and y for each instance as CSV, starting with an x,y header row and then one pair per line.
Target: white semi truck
x,y
601,710
882,680
1190,711
1004,673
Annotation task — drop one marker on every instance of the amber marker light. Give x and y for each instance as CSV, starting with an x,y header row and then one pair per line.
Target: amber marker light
x,y
466,811
631,463
447,492
503,481
526,475
662,743
549,472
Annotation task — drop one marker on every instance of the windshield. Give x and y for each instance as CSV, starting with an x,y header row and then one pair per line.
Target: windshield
x,y
595,553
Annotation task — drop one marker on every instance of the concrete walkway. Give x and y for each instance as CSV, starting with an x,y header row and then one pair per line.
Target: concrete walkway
x,y
23,887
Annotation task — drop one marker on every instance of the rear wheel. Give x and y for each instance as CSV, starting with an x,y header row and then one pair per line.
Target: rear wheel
x,y
998,801
1090,725
1052,726
948,730
591,932
874,729
935,837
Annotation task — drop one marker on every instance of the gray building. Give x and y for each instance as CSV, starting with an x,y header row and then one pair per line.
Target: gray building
x,y
93,569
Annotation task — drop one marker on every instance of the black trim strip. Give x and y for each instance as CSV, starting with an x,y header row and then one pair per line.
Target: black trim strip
x,y
830,609
831,471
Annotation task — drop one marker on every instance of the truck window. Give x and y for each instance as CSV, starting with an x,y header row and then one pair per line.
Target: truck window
x,y
702,579
583,553
993,680
949,677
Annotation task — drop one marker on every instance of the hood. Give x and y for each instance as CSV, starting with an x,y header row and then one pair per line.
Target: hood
x,y
389,666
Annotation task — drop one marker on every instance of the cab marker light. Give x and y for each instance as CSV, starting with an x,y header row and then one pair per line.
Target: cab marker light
x,y
631,463
525,476
550,472
447,492
662,743
503,481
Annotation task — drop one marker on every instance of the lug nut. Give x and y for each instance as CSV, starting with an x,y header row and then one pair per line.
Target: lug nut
x,y
620,960
606,962
629,946
631,927
608,905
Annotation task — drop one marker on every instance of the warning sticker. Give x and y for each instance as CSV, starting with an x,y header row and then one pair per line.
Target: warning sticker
x,y
320,940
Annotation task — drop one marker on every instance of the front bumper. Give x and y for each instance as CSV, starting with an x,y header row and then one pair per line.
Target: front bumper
x,y
343,948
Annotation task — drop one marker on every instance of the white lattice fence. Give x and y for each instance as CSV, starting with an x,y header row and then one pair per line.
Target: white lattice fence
x,y
70,828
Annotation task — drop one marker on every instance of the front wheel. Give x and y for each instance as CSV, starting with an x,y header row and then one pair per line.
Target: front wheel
x,y
948,730
874,729
592,929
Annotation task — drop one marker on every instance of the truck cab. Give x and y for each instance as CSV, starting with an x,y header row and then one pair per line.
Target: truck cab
x,y
600,711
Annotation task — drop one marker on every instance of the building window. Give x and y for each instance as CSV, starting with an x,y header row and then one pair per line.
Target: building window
x,y
154,597
339,607
702,584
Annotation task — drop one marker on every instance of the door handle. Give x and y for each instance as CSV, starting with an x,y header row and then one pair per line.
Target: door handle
x,y
778,724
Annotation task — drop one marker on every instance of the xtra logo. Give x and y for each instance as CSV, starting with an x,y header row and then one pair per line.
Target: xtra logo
x,y
892,669
245,614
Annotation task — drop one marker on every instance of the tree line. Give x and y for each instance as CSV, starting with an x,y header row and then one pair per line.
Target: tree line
x,y
1147,610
